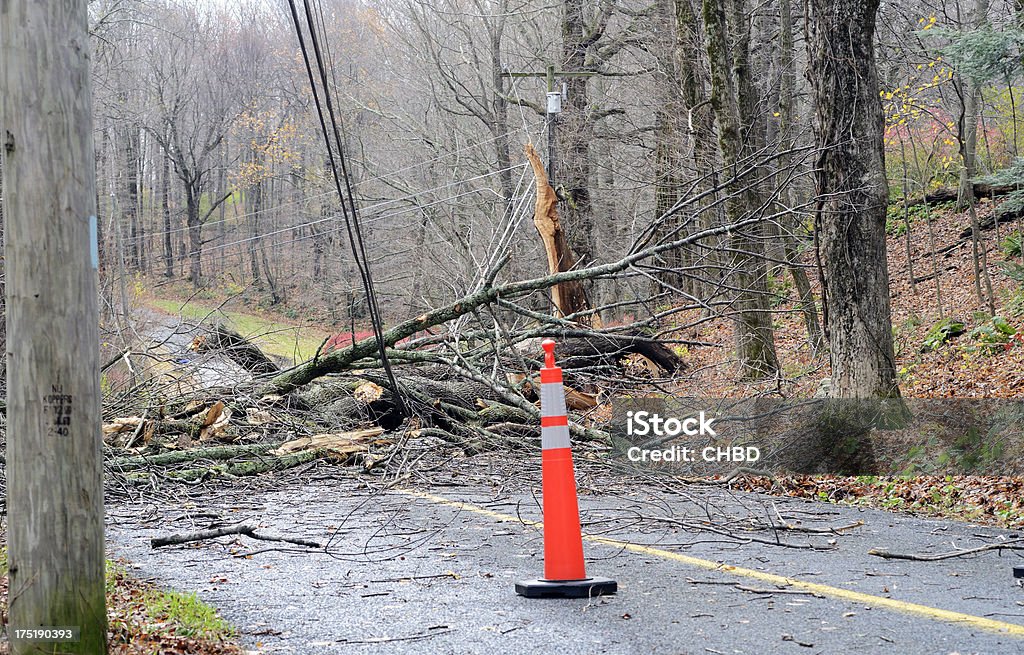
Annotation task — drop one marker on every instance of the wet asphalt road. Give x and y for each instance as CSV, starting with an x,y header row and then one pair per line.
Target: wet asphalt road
x,y
406,573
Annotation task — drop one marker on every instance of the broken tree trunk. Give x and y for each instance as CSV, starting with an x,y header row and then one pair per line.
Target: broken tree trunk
x,y
488,293
945,194
214,533
601,349
568,297
181,456
237,348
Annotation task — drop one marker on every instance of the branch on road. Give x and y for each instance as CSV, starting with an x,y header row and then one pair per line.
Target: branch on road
x,y
743,539
756,590
240,529
1009,544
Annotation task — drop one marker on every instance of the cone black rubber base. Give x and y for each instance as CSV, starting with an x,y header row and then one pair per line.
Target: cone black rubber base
x,y
586,588
1018,571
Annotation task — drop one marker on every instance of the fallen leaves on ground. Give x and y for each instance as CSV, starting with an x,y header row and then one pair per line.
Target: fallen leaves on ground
x,y
992,500
959,368
132,629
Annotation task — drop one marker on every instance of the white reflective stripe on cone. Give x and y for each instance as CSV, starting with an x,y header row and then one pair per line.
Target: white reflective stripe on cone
x,y
552,400
556,436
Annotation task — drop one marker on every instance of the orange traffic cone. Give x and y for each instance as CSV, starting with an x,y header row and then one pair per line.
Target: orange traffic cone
x,y
565,573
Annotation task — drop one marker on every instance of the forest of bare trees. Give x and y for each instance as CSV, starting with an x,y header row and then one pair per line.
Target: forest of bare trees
x,y
705,155
682,117
752,203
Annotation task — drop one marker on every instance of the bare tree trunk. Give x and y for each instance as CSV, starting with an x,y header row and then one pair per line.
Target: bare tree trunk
x,y
906,218
182,231
699,123
195,235
668,118
217,264
925,181
787,118
149,216
970,95
255,209
499,106
121,318
852,197
54,460
730,92
101,160
576,131
140,184
968,133
194,220
268,273
318,251
131,188
608,217
165,203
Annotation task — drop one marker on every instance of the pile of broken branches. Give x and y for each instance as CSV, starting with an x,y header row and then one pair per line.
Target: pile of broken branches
x,y
340,405
466,372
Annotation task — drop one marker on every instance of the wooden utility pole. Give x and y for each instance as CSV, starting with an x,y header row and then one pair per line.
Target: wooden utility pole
x,y
554,107
54,483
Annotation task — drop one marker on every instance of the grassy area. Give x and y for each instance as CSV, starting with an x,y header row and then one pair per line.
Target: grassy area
x,y
193,617
143,618
293,342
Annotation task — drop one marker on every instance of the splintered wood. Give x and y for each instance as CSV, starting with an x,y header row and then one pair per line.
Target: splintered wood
x,y
341,446
216,421
568,297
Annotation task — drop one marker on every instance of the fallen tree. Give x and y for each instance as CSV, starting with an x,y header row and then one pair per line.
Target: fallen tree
x,y
239,349
488,293
947,194
467,371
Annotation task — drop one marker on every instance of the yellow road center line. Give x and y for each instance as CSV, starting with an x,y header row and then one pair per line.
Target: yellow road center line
x,y
900,606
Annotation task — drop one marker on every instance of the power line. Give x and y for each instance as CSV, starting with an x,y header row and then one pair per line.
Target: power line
x,y
378,205
348,204
514,220
335,217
